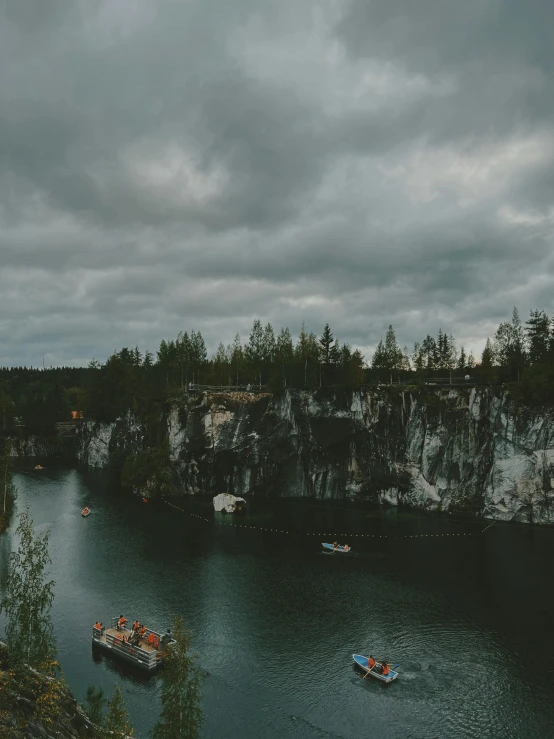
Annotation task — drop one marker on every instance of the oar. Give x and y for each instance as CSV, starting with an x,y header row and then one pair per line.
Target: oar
x,y
369,670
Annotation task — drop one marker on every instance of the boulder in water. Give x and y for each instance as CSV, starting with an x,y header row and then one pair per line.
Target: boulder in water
x,y
228,503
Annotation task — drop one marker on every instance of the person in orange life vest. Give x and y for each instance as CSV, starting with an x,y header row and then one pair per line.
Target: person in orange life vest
x,y
371,662
142,631
384,668
150,639
98,625
156,642
135,627
122,621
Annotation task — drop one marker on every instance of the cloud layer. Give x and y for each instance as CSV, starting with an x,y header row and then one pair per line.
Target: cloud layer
x,y
177,164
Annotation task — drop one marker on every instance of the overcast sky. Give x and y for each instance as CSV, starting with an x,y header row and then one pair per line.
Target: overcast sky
x,y
177,164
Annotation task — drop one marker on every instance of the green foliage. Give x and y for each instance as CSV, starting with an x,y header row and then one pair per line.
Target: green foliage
x,y
536,387
538,330
129,381
117,721
44,698
94,703
388,356
28,600
148,470
181,715
8,492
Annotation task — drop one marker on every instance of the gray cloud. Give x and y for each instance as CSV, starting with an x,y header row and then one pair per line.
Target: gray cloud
x,y
171,164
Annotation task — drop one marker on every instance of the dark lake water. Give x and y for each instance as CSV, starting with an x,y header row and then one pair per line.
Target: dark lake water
x,y
275,621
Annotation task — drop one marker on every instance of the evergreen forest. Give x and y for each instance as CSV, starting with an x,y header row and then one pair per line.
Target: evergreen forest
x,y
520,355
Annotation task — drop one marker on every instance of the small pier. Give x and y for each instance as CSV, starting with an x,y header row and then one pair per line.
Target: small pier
x,y
140,653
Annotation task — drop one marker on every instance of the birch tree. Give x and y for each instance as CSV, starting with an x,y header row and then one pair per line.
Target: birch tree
x,y
28,599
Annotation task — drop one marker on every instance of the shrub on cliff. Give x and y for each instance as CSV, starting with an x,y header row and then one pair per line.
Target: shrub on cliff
x,y
148,472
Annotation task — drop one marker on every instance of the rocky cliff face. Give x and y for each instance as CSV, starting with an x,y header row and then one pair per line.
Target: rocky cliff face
x,y
33,706
449,450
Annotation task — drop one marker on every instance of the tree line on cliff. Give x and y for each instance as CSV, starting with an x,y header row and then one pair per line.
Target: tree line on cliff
x,y
519,352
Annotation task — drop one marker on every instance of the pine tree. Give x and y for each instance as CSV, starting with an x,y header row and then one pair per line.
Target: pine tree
x,y
418,358
429,351
345,355
268,345
325,343
198,354
284,352
355,374
487,360
393,352
509,344
538,336
237,356
181,714
220,360
28,599
254,351
183,352
462,360
307,352
379,359
335,352
117,721
94,702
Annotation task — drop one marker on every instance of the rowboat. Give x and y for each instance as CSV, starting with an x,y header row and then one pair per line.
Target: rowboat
x,y
362,662
85,512
337,549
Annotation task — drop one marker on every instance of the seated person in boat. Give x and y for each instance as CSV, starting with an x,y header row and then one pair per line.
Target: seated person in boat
x,y
121,622
346,547
371,662
142,631
384,668
98,625
335,544
135,627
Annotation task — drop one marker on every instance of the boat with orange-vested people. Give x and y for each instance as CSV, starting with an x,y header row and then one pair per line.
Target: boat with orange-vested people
x,y
146,651
85,512
337,547
363,662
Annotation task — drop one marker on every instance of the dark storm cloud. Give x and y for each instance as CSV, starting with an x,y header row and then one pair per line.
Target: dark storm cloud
x,y
174,164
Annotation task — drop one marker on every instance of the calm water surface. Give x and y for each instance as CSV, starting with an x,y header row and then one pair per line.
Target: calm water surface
x,y
275,621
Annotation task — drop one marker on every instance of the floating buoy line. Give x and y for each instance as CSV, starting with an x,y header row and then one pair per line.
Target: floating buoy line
x,y
333,534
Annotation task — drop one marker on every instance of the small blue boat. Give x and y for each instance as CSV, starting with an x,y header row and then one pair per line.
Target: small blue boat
x,y
362,662
337,548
